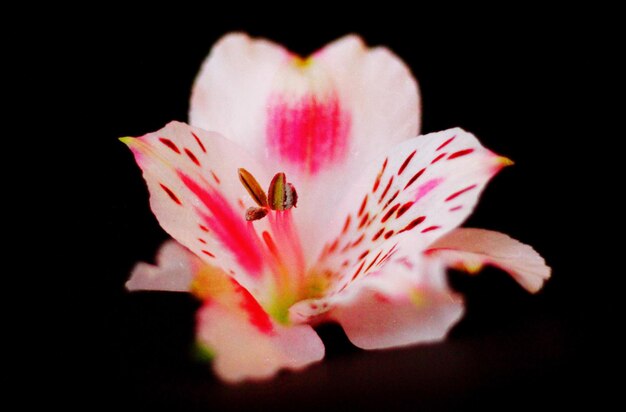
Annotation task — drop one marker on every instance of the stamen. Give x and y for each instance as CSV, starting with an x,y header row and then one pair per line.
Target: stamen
x,y
282,195
253,187
256,213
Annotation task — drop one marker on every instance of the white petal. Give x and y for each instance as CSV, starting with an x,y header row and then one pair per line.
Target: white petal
x,y
174,270
470,249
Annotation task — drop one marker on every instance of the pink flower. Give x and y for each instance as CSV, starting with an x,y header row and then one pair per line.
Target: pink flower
x,y
359,221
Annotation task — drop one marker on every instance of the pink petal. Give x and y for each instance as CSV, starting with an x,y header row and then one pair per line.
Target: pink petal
x,y
307,114
196,195
174,270
470,249
421,190
244,341
405,302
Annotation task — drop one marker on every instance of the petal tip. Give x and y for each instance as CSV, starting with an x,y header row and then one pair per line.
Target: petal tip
x,y
127,140
504,161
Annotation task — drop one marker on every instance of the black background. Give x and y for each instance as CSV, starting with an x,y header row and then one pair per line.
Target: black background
x,y
506,79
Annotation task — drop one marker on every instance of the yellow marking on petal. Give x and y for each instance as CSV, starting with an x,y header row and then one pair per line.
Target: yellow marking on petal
x,y
210,282
302,63
126,140
504,161
418,298
472,267
316,285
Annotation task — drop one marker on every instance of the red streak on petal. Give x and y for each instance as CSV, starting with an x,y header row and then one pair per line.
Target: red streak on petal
x,y
390,212
391,199
403,209
413,223
199,142
192,156
380,175
414,178
373,261
378,234
170,194
362,255
406,162
333,246
202,241
460,153
203,228
459,193
444,144
346,225
170,144
455,208
364,220
363,204
430,228
228,226
217,179
438,158
206,252
386,190
359,240
358,270
256,314
388,234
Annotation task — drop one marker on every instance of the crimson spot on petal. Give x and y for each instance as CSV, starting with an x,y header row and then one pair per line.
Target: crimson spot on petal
x,y
192,156
414,178
460,153
430,229
444,144
459,193
170,194
199,142
438,158
170,144
406,162
413,223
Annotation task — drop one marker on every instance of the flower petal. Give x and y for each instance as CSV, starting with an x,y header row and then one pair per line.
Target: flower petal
x,y
470,249
195,193
316,119
310,113
243,340
424,188
405,302
174,270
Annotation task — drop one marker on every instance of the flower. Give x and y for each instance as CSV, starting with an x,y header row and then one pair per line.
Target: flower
x,y
357,225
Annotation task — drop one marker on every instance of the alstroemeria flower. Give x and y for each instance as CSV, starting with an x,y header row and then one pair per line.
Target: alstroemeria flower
x,y
310,199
